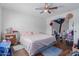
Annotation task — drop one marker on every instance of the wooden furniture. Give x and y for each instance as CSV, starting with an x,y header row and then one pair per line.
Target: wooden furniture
x,y
21,52
74,48
11,37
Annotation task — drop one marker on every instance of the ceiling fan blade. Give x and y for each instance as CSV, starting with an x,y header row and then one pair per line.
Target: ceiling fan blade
x,y
49,12
39,8
41,12
53,8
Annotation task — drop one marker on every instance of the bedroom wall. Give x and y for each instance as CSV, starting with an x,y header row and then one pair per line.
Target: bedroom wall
x,y
76,26
22,22
0,20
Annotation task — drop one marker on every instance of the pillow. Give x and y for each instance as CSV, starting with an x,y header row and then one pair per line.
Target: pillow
x,y
36,33
26,33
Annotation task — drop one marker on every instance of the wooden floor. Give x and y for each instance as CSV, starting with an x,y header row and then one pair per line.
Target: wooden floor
x,y
66,50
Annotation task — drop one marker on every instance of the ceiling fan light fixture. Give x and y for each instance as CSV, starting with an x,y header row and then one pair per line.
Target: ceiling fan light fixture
x,y
45,10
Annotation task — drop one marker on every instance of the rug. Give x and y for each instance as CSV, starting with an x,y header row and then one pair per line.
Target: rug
x,y
52,51
18,47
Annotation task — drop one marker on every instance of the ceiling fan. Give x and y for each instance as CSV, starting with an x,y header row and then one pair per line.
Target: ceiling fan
x,y
47,8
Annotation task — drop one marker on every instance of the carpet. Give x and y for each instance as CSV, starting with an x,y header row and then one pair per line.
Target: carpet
x,y
18,47
52,51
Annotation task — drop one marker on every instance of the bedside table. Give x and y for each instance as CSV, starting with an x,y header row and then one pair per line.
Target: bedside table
x,y
11,37
74,48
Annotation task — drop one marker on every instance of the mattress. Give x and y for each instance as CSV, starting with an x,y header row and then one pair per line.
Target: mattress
x,y
34,42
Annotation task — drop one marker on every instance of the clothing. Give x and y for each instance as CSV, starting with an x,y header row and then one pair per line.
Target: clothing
x,y
57,24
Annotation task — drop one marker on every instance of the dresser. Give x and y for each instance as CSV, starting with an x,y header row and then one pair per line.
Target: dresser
x,y
11,37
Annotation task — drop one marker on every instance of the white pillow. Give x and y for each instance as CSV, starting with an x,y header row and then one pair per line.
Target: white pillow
x,y
26,33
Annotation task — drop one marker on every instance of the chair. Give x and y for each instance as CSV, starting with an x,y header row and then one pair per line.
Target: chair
x,y
57,36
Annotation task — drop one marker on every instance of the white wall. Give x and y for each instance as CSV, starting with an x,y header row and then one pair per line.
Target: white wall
x,y
22,22
76,26
0,20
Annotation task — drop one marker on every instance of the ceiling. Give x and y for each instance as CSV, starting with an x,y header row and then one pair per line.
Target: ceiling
x,y
29,8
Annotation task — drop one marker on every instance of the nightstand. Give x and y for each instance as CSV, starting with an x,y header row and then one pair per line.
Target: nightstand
x,y
74,48
11,37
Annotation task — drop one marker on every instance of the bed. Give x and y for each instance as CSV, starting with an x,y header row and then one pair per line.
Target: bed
x,y
32,43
